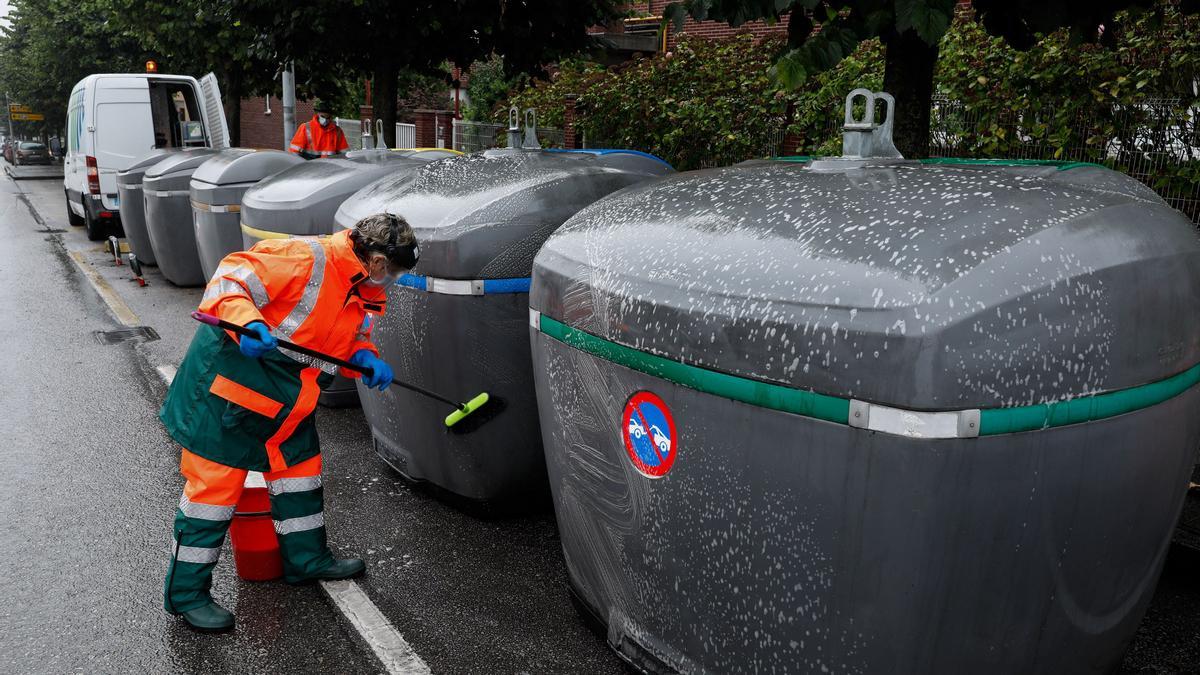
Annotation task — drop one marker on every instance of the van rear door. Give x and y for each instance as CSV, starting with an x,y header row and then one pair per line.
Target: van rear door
x,y
122,129
214,112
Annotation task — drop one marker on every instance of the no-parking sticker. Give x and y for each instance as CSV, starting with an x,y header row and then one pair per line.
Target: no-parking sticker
x,y
649,432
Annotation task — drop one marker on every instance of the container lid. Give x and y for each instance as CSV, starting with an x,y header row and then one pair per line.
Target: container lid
x,y
938,285
304,198
184,162
242,165
484,216
133,175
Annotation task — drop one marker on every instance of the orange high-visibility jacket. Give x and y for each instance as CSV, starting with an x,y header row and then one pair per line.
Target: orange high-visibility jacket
x,y
318,140
256,414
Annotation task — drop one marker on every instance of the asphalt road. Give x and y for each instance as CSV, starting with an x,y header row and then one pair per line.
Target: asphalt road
x,y
91,482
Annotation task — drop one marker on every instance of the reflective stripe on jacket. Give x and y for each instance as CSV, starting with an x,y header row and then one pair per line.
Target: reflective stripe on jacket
x,y
318,140
257,413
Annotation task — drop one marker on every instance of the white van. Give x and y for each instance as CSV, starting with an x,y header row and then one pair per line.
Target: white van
x,y
114,120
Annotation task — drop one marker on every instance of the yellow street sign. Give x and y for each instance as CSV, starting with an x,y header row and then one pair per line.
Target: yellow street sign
x,y
28,117
18,108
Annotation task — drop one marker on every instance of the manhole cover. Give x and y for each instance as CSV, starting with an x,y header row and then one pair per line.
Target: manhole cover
x,y
112,337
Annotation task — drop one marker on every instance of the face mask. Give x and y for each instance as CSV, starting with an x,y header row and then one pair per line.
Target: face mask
x,y
322,120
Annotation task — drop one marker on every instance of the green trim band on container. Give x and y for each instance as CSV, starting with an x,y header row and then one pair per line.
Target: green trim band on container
x,y
1061,164
762,394
1085,408
993,421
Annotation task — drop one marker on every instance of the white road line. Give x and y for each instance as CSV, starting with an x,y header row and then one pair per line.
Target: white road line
x,y
116,305
397,657
389,646
167,373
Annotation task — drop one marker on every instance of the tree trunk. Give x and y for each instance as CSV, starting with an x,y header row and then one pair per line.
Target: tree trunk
x,y
384,78
908,76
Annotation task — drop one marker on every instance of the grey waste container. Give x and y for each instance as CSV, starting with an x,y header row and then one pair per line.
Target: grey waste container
x,y
216,194
302,200
133,213
870,415
169,215
457,325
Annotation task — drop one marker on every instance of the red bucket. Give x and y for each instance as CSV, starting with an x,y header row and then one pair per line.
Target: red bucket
x,y
252,534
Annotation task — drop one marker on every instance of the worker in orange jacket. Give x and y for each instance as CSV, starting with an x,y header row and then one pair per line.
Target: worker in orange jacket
x,y
242,404
319,137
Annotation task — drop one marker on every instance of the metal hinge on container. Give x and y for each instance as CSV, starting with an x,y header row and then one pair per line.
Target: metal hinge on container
x,y
515,140
862,138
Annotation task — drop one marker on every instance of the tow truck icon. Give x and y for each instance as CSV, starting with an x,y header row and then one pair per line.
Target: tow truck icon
x,y
636,430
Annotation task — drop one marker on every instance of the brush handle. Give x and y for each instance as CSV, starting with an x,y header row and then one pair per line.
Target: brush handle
x,y
291,346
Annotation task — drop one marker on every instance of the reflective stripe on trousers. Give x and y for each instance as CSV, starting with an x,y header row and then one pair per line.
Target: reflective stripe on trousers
x,y
301,524
195,554
205,511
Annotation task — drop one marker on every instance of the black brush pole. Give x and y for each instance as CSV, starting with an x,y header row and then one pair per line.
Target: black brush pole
x,y
242,330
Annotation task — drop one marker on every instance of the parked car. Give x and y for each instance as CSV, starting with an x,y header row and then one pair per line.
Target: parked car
x,y
115,120
28,152
6,149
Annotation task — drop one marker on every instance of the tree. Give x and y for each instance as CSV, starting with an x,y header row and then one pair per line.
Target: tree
x,y
193,37
379,40
52,44
822,32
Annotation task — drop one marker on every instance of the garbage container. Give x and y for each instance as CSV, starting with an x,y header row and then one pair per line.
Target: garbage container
x,y
870,415
216,189
133,213
457,324
302,200
169,215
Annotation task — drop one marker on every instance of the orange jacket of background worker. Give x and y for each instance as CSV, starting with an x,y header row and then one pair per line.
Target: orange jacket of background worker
x,y
317,138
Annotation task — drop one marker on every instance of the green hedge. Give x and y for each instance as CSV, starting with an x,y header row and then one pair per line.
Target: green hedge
x,y
716,101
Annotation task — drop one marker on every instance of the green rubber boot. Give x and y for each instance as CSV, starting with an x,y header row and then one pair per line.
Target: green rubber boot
x,y
210,618
346,568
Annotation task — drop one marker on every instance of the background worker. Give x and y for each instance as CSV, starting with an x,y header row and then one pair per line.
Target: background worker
x,y
239,405
319,137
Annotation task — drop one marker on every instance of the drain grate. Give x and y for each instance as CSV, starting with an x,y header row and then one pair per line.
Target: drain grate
x,y
112,337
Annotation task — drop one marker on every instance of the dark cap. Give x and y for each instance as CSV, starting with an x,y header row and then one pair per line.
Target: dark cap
x,y
321,106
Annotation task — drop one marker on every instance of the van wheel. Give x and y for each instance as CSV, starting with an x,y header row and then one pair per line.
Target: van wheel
x,y
97,229
74,220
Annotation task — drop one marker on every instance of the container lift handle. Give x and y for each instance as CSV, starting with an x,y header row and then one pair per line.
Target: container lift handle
x,y
531,139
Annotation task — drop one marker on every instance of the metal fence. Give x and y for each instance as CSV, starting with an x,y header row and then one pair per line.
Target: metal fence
x,y
406,134
1156,142
476,136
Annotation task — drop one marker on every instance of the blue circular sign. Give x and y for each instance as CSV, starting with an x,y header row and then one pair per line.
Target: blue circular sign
x,y
648,428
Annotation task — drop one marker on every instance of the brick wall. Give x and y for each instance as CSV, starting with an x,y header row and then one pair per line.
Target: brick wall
x,y
710,29
262,130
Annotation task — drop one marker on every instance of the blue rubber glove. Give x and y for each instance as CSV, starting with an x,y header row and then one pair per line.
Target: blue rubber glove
x,y
255,348
381,373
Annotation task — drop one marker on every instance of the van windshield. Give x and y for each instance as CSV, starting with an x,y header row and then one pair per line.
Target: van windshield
x,y
176,112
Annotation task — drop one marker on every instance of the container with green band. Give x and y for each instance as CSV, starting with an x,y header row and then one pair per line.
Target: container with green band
x,y
920,416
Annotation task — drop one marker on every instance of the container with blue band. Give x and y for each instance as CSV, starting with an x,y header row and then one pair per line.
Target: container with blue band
x,y
458,322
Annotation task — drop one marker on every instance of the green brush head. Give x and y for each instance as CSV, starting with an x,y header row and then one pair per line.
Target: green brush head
x,y
472,405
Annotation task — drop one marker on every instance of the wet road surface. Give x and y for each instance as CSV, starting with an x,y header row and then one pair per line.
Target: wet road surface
x,y
91,482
